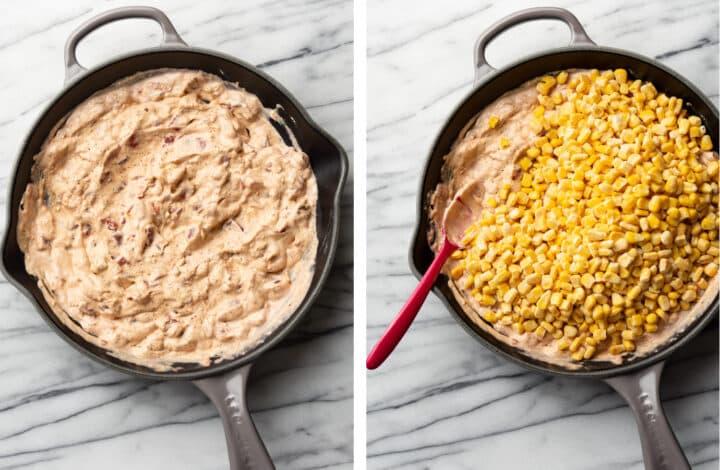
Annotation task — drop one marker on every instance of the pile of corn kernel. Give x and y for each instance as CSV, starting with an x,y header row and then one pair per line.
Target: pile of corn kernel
x,y
614,227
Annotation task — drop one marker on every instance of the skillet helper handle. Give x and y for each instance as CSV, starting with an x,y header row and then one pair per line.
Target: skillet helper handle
x,y
660,448
170,35
245,447
578,36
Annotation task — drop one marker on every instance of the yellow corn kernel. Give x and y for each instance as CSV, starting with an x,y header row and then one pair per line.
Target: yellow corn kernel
x,y
709,222
636,320
490,316
525,164
655,204
587,280
456,272
487,300
493,122
621,75
510,295
712,168
706,142
570,331
544,301
711,269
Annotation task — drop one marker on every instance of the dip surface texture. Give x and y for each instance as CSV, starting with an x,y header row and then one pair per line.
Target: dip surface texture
x,y
489,154
167,220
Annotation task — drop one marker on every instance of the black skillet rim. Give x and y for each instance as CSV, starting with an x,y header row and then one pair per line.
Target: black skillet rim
x,y
419,239
276,335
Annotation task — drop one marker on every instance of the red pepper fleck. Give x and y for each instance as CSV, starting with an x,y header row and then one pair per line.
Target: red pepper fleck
x,y
88,311
133,141
169,322
109,223
176,129
149,237
170,139
122,261
118,238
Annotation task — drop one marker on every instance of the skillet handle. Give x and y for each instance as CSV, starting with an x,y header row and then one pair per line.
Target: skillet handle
x,y
170,35
660,448
578,36
227,392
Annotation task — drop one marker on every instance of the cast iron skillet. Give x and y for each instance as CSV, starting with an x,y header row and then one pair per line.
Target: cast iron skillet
x,y
636,379
226,381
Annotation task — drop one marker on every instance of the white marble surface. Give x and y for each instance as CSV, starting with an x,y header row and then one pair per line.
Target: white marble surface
x,y
442,400
59,410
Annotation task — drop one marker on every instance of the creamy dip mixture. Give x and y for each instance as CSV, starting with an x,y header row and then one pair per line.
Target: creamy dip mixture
x,y
478,156
167,221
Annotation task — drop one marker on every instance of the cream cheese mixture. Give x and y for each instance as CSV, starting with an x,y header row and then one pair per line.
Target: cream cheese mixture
x,y
167,221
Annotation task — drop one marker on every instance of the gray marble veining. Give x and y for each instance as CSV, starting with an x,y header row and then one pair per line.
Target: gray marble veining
x,y
59,410
442,400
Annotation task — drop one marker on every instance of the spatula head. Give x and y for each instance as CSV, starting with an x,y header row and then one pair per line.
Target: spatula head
x,y
463,211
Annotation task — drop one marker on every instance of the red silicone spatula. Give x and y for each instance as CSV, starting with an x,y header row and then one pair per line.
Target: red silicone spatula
x,y
459,215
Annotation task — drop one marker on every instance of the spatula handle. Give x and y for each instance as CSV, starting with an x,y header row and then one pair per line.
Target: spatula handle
x,y
392,336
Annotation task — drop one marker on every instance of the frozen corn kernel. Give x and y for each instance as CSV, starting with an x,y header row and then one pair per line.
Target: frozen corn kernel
x,y
621,75
706,143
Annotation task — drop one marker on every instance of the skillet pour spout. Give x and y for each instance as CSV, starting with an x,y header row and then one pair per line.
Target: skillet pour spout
x,y
637,378
224,382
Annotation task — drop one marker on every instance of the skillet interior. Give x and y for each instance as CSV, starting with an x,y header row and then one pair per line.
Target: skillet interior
x,y
328,160
485,92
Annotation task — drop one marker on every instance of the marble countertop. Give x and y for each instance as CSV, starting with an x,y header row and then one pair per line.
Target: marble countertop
x,y
442,400
59,410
